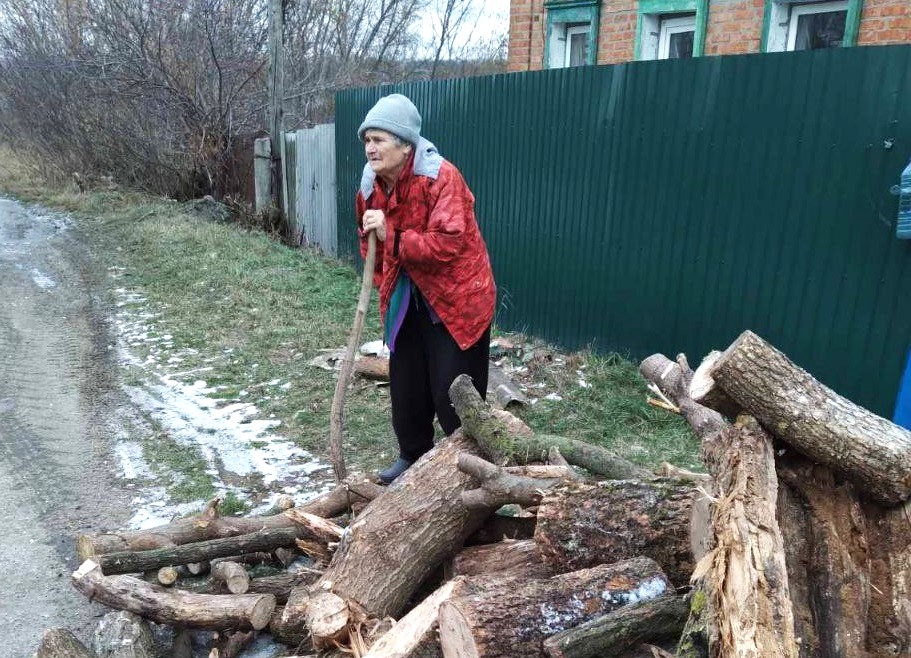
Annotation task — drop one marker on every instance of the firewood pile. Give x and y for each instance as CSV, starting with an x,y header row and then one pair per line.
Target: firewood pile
x,y
796,542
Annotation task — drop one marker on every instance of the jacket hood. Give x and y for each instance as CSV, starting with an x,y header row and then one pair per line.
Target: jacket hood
x,y
427,162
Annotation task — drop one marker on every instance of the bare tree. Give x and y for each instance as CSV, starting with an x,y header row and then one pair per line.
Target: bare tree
x,y
165,94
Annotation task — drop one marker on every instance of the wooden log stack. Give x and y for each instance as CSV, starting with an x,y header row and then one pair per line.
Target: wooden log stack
x,y
795,543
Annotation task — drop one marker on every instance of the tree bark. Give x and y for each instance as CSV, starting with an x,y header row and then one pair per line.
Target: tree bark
x,y
284,625
508,555
614,633
416,635
848,562
744,576
403,535
493,616
210,525
173,607
61,643
582,525
502,446
138,561
500,487
872,452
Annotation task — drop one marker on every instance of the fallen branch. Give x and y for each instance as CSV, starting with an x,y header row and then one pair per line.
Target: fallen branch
x,y
174,607
138,561
502,446
499,487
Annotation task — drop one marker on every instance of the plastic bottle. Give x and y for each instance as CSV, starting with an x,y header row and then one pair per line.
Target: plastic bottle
x,y
903,228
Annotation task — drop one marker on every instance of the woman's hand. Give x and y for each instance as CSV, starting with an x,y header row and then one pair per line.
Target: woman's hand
x,y
375,220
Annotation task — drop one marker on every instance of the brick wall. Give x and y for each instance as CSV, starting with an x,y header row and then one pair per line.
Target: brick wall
x,y
885,21
617,34
526,35
734,27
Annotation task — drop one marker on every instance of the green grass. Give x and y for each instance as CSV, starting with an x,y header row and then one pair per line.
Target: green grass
x,y
257,311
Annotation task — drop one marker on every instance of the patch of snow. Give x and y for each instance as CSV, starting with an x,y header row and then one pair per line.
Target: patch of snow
x,y
231,437
42,280
375,347
132,464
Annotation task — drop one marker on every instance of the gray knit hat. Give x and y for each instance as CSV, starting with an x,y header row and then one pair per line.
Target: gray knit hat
x,y
395,114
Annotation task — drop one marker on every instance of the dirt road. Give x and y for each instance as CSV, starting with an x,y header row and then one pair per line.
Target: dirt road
x,y
57,398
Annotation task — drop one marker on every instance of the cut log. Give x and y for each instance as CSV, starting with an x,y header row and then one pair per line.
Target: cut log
x,y
403,535
232,576
372,367
138,561
315,526
230,645
674,383
493,616
167,576
744,575
355,489
502,446
278,585
613,634
499,487
508,555
209,525
329,616
61,643
173,607
703,390
416,635
667,375
874,453
198,568
285,626
585,524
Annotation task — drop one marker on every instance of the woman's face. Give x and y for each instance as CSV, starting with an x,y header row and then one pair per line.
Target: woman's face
x,y
386,156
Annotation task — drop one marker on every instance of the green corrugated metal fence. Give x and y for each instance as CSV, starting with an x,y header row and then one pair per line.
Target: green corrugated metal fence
x,y
667,206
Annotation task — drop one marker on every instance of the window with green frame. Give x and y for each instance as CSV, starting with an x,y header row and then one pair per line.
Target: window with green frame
x,y
809,24
572,33
670,29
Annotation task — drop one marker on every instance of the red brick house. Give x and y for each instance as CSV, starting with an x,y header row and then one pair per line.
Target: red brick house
x,y
558,33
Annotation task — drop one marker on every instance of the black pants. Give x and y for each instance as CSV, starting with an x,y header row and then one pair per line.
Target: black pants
x,y
425,362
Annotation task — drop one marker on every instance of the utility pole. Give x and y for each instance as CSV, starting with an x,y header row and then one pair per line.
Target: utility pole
x,y
276,97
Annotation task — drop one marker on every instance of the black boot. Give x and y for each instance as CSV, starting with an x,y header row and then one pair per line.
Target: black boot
x,y
398,467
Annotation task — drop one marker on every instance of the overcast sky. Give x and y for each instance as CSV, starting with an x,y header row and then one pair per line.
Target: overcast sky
x,y
493,20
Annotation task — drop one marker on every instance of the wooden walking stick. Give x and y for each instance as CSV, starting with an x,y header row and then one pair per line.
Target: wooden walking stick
x,y
337,415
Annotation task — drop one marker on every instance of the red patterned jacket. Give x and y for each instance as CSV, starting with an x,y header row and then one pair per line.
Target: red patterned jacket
x,y
431,231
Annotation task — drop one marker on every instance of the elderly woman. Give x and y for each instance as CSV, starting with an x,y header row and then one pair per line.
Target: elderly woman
x,y
437,292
